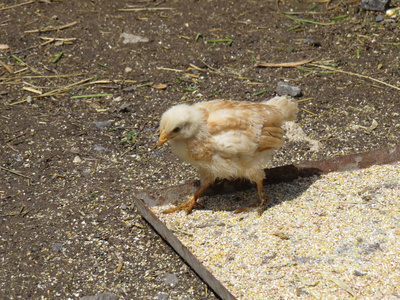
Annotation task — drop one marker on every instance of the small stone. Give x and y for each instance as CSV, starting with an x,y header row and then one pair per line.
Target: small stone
x,y
133,39
267,259
34,248
102,296
150,202
388,21
359,273
125,107
128,88
344,248
379,18
371,248
77,160
103,124
310,41
171,280
161,296
302,259
86,172
99,148
117,99
376,5
128,70
56,247
75,150
289,90
96,235
16,156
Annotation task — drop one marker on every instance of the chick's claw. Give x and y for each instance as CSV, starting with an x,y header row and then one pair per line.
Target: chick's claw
x,y
240,210
260,206
187,206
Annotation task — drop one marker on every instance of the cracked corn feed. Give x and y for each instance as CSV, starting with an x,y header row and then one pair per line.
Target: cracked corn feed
x,y
327,237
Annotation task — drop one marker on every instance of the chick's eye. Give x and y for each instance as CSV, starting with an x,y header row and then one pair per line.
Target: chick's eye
x,y
176,130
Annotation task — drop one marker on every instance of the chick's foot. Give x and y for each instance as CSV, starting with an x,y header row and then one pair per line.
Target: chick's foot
x,y
187,206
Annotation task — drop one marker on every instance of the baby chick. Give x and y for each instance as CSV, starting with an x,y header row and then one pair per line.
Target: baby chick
x,y
226,139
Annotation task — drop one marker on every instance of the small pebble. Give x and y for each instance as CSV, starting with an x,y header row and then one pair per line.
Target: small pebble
x,y
125,107
132,38
170,280
77,160
310,41
56,247
99,148
102,296
128,88
376,5
286,89
103,124
358,273
161,296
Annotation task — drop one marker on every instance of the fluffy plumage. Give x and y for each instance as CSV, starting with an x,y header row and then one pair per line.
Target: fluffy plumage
x,y
226,139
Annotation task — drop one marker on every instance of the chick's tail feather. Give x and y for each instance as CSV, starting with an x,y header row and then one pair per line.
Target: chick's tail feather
x,y
286,105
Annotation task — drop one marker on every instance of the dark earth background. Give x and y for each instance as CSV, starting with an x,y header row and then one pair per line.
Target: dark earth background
x,y
69,165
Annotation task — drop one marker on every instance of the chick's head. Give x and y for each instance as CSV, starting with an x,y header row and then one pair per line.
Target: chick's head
x,y
180,122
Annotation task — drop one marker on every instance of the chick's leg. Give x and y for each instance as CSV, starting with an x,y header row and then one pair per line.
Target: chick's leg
x,y
262,200
191,203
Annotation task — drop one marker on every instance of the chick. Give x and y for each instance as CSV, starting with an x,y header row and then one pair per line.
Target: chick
x,y
226,139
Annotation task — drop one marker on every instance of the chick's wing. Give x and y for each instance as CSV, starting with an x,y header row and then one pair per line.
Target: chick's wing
x,y
243,128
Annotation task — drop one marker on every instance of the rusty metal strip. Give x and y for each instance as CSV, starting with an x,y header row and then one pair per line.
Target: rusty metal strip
x,y
356,161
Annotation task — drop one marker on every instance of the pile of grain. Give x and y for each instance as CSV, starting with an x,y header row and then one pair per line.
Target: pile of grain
x,y
325,237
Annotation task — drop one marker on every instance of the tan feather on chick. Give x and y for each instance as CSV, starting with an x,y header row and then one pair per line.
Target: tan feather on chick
x,y
226,139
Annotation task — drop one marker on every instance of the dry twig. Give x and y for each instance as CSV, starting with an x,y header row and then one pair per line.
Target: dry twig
x,y
15,172
17,213
283,65
146,9
9,70
16,5
66,88
355,74
52,28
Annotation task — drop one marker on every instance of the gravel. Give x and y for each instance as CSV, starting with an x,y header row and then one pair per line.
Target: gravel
x,y
327,237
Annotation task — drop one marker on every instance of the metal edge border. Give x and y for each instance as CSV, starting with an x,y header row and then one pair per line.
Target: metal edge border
x,y
187,256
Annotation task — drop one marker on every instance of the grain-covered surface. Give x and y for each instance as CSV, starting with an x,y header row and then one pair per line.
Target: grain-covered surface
x,y
328,237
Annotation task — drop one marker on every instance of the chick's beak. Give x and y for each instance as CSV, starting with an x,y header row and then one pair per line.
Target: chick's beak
x,y
163,138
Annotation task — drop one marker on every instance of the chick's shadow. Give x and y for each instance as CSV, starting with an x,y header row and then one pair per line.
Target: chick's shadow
x,y
230,195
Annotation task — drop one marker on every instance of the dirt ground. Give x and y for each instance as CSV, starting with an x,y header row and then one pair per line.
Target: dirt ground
x,y
82,88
